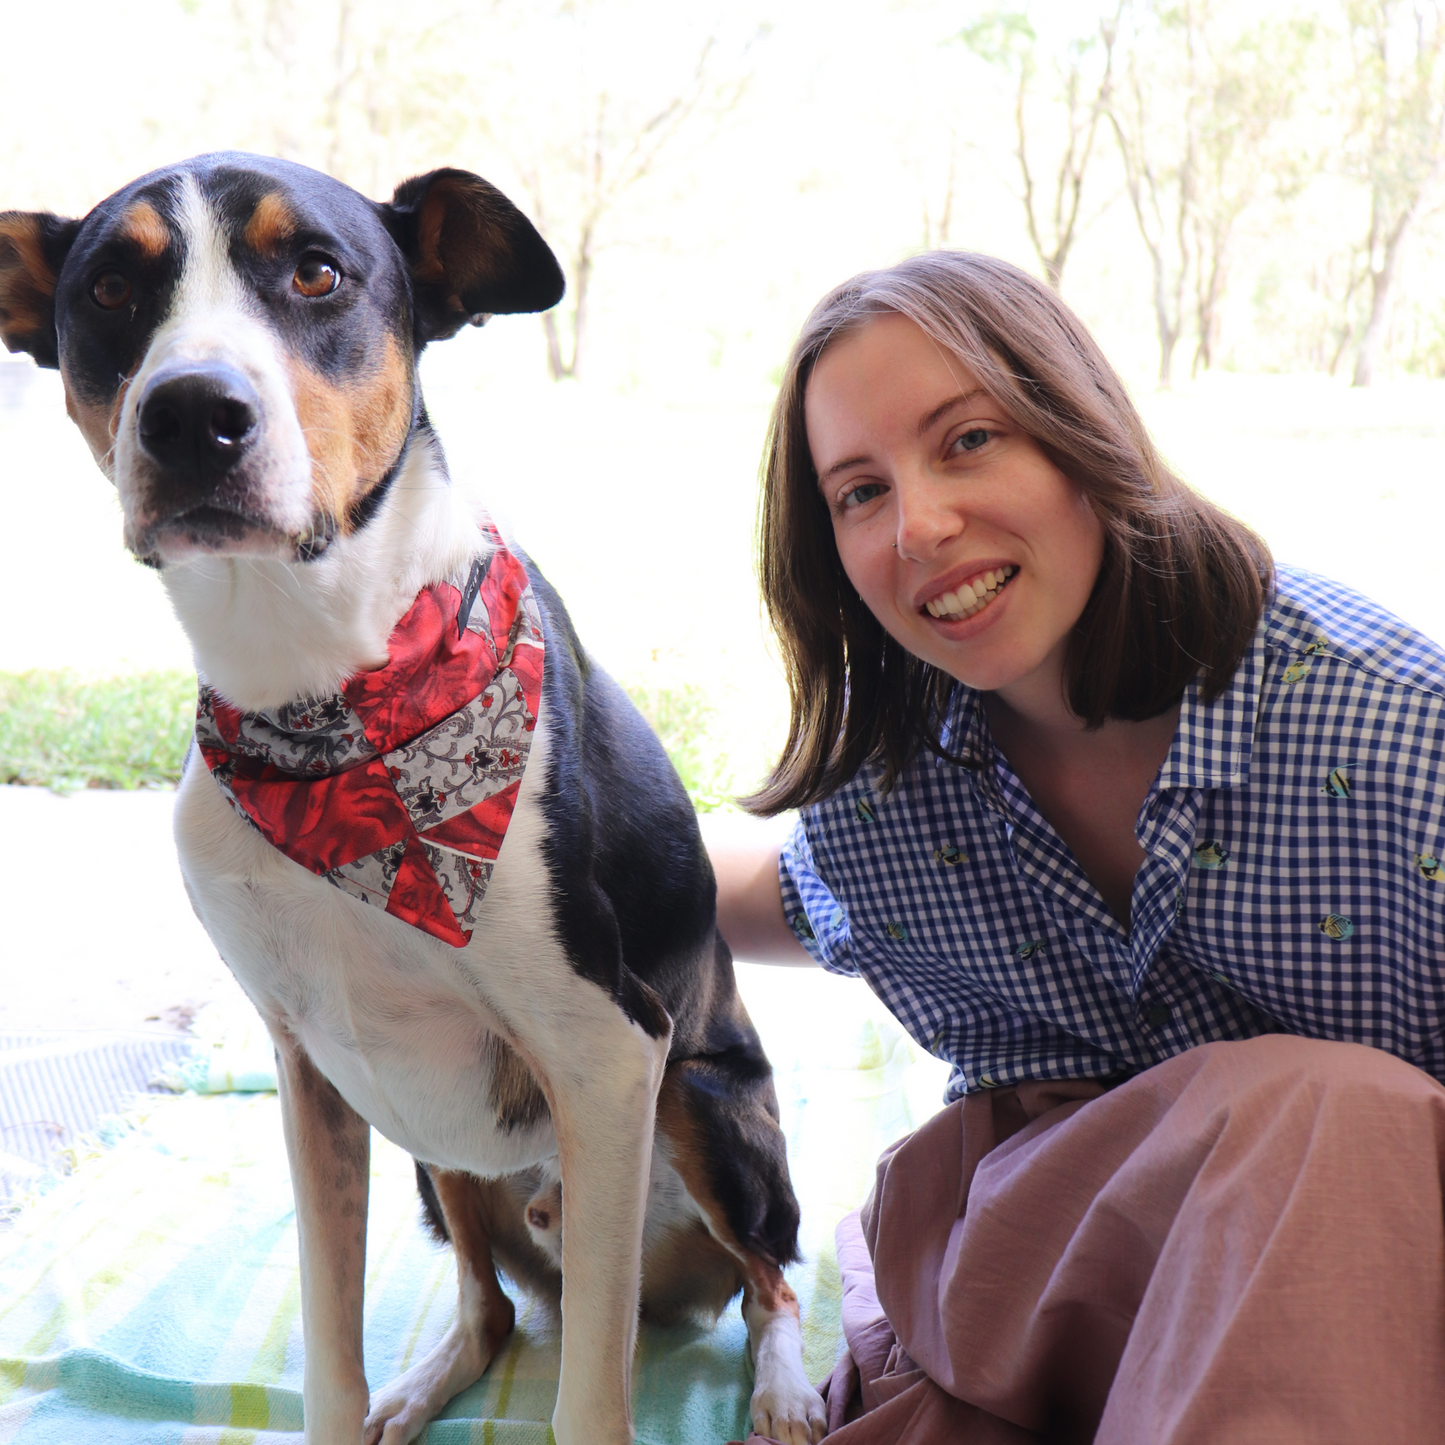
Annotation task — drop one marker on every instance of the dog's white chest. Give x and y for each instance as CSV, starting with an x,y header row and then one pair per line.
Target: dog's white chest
x,y
403,1025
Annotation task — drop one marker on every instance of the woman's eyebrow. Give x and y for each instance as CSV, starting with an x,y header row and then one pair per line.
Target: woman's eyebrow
x,y
843,466
927,423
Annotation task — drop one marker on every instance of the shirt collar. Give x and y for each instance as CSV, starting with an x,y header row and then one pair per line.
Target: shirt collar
x,y
964,734
1214,741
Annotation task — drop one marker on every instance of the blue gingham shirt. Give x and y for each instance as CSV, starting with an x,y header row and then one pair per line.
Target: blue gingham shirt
x,y
1293,878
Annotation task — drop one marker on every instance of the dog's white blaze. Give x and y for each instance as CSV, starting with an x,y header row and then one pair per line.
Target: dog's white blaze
x,y
208,282
213,317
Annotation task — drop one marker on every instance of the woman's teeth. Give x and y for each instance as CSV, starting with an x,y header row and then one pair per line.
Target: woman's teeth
x,y
972,597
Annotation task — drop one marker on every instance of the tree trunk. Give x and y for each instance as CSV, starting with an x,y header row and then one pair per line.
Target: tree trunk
x,y
1382,287
1168,339
556,368
1168,328
560,367
581,289
1208,317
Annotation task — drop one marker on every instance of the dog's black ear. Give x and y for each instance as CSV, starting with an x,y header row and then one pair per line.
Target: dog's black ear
x,y
473,254
33,248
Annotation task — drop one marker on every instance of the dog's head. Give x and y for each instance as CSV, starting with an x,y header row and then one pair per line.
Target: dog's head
x,y
238,337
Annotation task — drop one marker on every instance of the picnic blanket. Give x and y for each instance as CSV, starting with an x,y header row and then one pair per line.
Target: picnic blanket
x,y
60,1089
152,1297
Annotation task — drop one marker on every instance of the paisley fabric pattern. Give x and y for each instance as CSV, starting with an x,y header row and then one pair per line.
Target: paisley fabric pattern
x,y
399,788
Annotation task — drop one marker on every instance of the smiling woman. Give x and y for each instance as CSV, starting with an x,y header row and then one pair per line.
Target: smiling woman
x,y
1104,807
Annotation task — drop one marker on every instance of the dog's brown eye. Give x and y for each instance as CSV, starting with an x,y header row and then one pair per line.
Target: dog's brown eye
x,y
111,290
316,276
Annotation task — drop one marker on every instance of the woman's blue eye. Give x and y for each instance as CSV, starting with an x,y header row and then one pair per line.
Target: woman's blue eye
x,y
973,439
864,492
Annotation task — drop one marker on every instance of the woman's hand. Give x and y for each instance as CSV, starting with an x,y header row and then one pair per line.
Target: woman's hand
x,y
744,853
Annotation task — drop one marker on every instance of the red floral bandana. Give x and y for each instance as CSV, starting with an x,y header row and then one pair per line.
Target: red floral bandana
x,y
399,788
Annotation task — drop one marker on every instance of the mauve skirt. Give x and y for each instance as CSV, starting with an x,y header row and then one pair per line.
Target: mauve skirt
x,y
1245,1244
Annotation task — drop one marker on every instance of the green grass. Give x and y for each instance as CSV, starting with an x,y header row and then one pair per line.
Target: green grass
x,y
683,717
60,731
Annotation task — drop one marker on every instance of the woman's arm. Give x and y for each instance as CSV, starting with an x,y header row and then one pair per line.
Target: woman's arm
x,y
744,853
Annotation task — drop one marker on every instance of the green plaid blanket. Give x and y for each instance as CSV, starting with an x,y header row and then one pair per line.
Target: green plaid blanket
x,y
152,1296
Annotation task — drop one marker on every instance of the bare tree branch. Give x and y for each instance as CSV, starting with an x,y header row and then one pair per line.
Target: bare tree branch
x,y
1077,99
613,156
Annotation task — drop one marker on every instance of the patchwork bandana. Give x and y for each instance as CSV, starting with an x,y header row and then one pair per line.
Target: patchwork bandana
x,y
399,788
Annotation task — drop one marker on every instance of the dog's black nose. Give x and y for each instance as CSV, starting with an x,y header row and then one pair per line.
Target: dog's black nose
x,y
200,420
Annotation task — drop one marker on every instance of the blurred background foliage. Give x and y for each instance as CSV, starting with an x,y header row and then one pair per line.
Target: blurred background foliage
x,y
685,718
61,731
1244,199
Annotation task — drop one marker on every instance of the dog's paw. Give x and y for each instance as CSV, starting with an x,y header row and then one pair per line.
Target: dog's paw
x,y
400,1412
397,1416
789,1410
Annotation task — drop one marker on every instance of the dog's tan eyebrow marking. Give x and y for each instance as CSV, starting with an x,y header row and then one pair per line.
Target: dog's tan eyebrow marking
x,y
143,227
272,224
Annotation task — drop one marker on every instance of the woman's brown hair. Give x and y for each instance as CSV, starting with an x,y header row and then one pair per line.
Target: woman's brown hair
x,y
1179,593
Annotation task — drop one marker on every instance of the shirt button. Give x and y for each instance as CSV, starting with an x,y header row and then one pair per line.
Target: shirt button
x,y
1157,1015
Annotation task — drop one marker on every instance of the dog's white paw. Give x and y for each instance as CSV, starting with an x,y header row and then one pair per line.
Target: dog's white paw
x,y
400,1411
789,1410
397,1417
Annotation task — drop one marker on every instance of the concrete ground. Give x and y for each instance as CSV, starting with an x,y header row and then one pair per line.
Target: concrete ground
x,y
98,931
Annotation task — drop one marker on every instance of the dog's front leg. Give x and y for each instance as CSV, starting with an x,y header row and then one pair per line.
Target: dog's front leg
x,y
329,1146
603,1096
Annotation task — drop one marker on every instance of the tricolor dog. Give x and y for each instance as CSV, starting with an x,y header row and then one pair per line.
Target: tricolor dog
x,y
445,858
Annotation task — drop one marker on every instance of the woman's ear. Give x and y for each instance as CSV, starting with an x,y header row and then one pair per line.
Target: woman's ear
x,y
33,248
472,253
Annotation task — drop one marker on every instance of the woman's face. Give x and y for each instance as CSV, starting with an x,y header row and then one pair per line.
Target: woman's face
x,y
969,546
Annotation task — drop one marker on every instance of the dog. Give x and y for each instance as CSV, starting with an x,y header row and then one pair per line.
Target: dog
x,y
446,859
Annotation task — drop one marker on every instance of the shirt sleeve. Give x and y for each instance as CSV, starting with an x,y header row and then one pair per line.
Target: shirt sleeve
x,y
813,912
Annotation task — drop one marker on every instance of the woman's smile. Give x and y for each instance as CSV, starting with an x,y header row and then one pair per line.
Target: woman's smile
x,y
969,597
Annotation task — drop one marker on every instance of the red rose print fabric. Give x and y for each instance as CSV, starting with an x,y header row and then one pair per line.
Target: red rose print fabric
x,y
399,788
